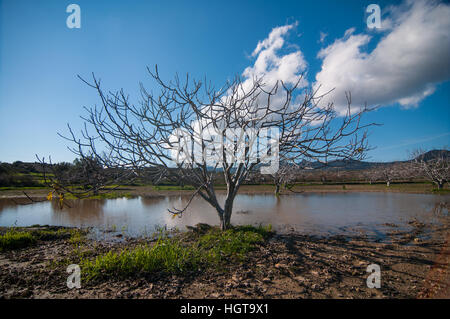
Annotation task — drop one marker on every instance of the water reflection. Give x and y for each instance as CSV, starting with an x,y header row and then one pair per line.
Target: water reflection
x,y
316,213
152,200
79,212
7,204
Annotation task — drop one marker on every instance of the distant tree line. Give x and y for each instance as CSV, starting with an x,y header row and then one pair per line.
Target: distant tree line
x,y
423,166
18,174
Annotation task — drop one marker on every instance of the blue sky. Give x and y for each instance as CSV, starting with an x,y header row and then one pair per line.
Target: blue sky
x,y
40,58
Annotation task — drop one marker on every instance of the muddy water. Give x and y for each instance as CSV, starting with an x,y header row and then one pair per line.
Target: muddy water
x,y
314,213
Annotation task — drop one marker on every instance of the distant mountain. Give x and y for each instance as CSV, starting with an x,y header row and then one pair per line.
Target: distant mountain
x,y
434,154
343,164
361,165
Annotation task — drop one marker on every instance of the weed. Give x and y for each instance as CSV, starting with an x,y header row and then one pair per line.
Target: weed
x,y
14,239
185,252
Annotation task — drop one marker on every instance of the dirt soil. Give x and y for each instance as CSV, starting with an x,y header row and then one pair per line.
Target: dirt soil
x,y
285,266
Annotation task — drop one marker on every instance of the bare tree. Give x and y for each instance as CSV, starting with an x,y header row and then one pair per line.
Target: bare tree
x,y
284,177
324,176
406,171
395,171
388,173
433,165
190,131
370,175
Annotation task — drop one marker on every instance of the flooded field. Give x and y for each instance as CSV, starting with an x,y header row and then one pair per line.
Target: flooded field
x,y
318,214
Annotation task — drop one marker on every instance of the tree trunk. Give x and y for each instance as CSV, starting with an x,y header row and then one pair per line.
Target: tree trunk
x,y
225,218
440,185
223,225
277,189
225,221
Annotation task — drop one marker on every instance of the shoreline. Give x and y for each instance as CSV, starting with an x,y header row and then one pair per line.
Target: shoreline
x,y
150,191
282,266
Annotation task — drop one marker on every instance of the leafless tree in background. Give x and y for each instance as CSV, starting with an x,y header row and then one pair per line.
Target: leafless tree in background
x,y
407,172
370,175
435,166
140,137
285,177
388,173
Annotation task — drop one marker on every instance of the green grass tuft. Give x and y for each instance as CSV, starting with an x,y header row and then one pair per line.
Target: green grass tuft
x,y
187,252
216,246
23,237
14,240
166,255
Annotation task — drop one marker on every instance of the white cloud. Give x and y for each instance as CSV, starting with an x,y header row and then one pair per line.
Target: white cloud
x,y
323,35
274,65
274,61
403,68
349,32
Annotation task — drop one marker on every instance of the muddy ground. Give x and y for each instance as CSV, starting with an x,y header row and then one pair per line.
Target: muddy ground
x,y
285,266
